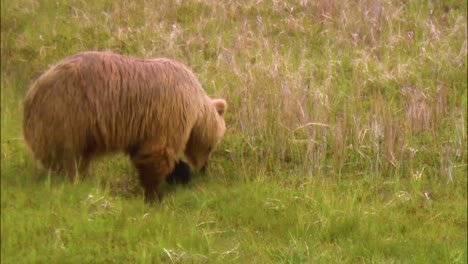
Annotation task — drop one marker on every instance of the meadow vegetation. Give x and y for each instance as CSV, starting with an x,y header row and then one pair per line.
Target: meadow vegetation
x,y
346,134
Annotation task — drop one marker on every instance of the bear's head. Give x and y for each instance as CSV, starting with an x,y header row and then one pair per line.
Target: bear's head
x,y
207,134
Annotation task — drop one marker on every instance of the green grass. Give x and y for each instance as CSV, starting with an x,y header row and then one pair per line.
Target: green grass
x,y
346,140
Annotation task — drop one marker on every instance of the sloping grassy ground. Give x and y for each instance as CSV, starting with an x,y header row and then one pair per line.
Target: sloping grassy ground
x,y
346,135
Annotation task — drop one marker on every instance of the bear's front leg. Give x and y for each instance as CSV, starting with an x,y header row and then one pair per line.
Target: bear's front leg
x,y
153,164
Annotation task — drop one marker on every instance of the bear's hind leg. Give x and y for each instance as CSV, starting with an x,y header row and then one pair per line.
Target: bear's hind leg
x,y
153,164
83,167
68,166
74,168
62,159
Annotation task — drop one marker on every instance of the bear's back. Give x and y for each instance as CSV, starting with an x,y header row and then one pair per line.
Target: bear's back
x,y
117,100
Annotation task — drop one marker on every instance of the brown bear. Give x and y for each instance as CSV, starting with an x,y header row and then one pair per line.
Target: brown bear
x,y
94,103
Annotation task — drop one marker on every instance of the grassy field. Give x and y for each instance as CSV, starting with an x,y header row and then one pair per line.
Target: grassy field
x,y
346,138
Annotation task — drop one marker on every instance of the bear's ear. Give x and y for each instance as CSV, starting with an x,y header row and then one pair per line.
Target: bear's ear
x,y
220,106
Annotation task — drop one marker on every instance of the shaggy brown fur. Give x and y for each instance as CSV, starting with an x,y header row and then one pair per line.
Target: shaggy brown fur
x,y
94,103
